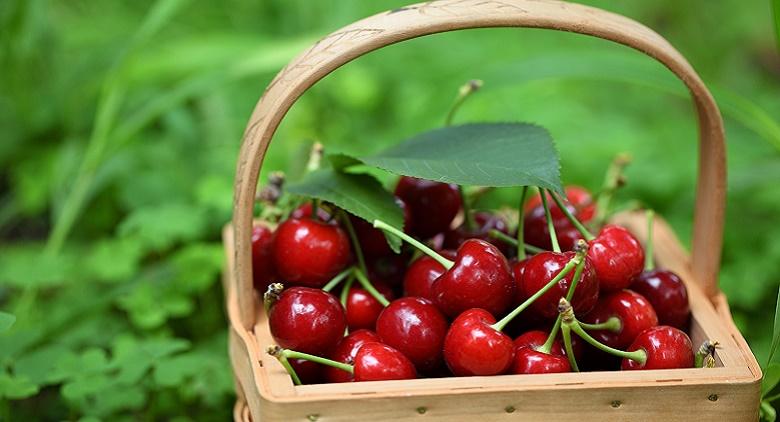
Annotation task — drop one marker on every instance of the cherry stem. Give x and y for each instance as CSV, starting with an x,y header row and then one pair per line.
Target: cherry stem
x,y
363,280
612,324
520,224
572,219
468,217
612,181
292,354
464,92
345,290
337,279
277,352
271,295
570,322
381,225
649,264
497,234
550,226
566,334
578,259
315,207
354,239
547,346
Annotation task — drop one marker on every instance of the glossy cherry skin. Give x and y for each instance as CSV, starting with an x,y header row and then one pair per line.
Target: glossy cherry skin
x,y
543,267
473,347
668,295
389,268
415,327
263,268
373,241
635,313
480,278
484,223
433,205
518,269
362,309
617,257
309,372
380,362
345,352
309,252
529,360
666,348
307,320
419,277
535,231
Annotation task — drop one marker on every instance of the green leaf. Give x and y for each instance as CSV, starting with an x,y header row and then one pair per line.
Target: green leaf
x,y
768,413
776,14
16,387
479,154
358,194
771,378
775,330
161,226
6,321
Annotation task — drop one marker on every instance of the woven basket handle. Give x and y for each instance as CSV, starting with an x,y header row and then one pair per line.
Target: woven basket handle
x,y
417,20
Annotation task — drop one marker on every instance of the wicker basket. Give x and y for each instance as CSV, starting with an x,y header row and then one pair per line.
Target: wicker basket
x,y
728,392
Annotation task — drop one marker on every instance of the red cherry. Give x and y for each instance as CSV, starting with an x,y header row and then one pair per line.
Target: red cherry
x,y
304,211
473,347
529,360
307,320
480,278
535,232
433,205
617,257
373,241
415,327
308,372
309,252
518,269
345,352
536,339
666,348
362,308
583,206
668,295
421,274
543,267
263,269
632,309
485,222
389,268
379,362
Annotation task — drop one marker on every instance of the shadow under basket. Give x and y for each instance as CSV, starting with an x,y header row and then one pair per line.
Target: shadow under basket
x,y
728,392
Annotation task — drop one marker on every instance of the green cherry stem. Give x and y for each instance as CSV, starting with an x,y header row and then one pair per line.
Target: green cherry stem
x,y
464,92
292,354
345,290
612,324
520,224
612,181
550,226
572,219
278,353
354,239
566,334
498,326
381,225
649,265
315,209
547,346
497,234
337,279
468,216
363,280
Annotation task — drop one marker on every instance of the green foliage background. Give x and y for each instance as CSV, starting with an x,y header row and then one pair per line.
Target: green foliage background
x,y
120,127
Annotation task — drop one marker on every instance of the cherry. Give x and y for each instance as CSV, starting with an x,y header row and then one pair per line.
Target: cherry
x,y
579,198
433,205
624,314
309,372
415,327
665,348
304,211
473,347
535,227
263,269
306,319
379,362
484,222
345,352
617,257
308,252
390,268
518,269
530,359
421,274
541,268
362,308
373,241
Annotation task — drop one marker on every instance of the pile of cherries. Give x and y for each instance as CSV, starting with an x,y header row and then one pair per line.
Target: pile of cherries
x,y
465,299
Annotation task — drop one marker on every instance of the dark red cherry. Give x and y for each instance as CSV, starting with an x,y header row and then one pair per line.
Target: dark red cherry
x,y
580,204
480,278
421,274
473,347
263,269
362,308
484,223
345,352
529,360
668,295
543,267
307,320
579,198
388,268
373,241
415,327
666,348
309,372
632,309
380,362
433,205
518,269
304,212
536,339
310,253
617,257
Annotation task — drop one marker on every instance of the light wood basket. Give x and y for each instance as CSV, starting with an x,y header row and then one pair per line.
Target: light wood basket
x,y
728,392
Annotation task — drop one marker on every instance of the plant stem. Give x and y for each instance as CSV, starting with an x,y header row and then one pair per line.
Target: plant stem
x,y
547,346
649,264
345,291
550,226
464,92
290,370
355,242
291,354
315,208
572,219
612,181
363,280
468,217
337,279
574,325
566,334
379,224
497,234
521,224
561,274
612,324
